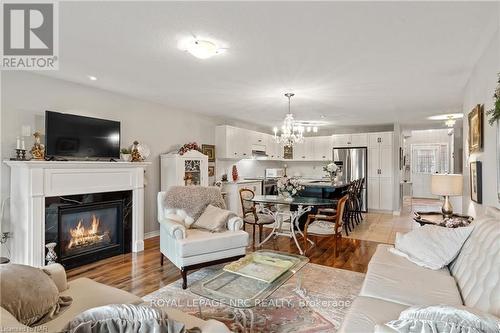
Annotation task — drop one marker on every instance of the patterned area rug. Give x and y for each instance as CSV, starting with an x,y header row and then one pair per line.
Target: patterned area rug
x,y
329,292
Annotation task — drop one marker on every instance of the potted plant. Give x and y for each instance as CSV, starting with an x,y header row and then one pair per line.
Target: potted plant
x,y
125,154
494,113
289,187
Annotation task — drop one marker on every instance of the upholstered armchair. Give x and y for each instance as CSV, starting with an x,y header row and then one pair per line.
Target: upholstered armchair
x,y
191,248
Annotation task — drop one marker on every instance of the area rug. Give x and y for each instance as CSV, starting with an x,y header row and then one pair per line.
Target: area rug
x,y
326,294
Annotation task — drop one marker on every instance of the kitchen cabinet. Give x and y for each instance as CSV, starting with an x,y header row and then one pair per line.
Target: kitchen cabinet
x,y
380,170
190,169
304,151
322,148
232,190
233,143
350,140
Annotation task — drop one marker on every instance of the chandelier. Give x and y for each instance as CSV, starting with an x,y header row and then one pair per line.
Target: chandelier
x,y
292,132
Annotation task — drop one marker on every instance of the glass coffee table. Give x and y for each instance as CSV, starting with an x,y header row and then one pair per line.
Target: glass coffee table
x,y
243,292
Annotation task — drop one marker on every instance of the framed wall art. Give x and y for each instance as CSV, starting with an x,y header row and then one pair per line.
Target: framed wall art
x,y
476,182
476,129
209,150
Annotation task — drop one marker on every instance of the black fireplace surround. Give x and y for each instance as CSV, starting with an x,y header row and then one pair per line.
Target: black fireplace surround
x,y
88,228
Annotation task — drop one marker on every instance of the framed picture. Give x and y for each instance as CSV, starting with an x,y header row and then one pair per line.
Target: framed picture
x,y
209,150
211,171
287,152
476,129
476,182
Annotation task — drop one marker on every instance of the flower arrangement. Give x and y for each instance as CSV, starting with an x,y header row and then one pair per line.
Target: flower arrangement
x,y
331,168
495,112
289,187
189,146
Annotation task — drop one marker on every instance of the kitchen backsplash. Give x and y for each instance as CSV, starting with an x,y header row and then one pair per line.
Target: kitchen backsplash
x,y
256,168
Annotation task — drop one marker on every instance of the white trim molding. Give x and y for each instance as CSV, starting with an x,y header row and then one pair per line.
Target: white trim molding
x,y
33,181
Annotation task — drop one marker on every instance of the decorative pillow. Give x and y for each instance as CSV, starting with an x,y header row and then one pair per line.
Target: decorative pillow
x,y
431,246
30,295
214,219
117,318
445,319
189,202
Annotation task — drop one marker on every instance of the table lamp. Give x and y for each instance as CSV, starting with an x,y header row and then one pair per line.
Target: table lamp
x,y
447,185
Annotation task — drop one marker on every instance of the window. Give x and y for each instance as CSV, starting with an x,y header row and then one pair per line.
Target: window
x,y
429,159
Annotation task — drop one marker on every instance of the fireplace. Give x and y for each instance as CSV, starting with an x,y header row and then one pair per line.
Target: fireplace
x,y
89,227
90,231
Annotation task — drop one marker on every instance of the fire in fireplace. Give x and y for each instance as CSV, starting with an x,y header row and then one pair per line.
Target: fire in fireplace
x,y
87,232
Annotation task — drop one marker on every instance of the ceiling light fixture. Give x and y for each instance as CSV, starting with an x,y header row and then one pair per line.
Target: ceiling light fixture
x,y
446,116
450,122
292,132
92,78
201,48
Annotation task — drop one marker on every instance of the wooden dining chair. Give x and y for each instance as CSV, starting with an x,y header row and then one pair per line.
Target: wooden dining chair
x,y
326,225
250,214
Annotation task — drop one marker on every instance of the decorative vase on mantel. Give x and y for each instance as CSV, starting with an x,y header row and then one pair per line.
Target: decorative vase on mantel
x,y
51,256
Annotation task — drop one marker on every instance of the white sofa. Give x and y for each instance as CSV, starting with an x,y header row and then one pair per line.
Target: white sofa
x,y
194,248
87,294
393,284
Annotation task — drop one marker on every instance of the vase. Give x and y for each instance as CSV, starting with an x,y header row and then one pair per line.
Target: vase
x,y
51,256
286,196
235,173
125,157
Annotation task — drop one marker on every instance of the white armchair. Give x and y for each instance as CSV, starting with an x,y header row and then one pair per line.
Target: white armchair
x,y
189,248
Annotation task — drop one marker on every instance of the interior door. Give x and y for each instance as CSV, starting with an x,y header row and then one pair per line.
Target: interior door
x,y
427,159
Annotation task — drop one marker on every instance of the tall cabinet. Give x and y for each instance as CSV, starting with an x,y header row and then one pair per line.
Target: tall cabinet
x,y
190,169
380,170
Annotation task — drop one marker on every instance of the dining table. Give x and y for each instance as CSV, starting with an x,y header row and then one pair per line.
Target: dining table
x,y
283,208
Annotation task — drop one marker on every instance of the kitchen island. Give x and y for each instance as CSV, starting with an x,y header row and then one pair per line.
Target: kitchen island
x,y
323,189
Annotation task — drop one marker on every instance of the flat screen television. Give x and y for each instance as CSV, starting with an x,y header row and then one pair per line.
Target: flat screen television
x,y
78,137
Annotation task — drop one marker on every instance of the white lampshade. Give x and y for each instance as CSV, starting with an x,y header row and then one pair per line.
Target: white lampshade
x,y
447,184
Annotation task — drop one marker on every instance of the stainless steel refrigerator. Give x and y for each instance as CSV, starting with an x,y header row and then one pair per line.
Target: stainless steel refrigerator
x,y
353,165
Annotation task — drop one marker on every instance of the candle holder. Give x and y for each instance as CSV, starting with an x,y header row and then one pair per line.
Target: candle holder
x,y
20,155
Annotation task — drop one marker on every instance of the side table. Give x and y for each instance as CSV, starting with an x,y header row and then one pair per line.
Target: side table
x,y
437,218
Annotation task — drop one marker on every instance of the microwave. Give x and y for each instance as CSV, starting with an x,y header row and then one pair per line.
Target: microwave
x,y
275,173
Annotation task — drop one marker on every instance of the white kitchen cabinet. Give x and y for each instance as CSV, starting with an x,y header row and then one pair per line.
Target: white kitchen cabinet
x,y
232,190
322,148
304,151
359,140
380,139
380,171
183,170
233,143
341,140
350,140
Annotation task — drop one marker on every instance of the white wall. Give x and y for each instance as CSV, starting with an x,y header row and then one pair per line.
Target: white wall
x,y
479,90
26,96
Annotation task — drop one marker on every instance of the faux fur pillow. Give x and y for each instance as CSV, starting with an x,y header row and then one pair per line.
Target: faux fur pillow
x,y
30,295
445,319
119,318
189,202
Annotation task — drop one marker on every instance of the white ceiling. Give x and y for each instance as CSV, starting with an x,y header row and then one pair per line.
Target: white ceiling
x,y
357,63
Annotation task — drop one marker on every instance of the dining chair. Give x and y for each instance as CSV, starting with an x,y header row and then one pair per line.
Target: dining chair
x,y
250,214
326,225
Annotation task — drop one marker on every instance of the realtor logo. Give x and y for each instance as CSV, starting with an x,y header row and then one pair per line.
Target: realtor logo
x,y
29,36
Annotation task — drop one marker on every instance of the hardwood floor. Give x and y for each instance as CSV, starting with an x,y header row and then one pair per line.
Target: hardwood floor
x,y
142,273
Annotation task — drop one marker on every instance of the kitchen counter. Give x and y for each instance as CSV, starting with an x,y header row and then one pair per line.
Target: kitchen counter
x,y
319,183
242,181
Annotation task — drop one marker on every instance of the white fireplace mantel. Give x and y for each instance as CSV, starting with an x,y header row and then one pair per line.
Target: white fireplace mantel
x,y
32,181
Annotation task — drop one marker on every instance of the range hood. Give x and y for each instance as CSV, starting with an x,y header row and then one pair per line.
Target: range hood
x,y
259,151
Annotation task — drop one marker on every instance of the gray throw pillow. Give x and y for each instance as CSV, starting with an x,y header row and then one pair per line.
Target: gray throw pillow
x,y
445,319
30,295
213,219
125,318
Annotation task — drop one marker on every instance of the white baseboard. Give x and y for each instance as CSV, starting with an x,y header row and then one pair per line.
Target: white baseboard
x,y
152,234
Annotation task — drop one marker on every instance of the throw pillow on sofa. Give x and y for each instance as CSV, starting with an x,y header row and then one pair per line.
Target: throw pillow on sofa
x,y
213,219
30,295
445,319
116,318
431,246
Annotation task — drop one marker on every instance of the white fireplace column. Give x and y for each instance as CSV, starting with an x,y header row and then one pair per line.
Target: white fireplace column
x,y
33,181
